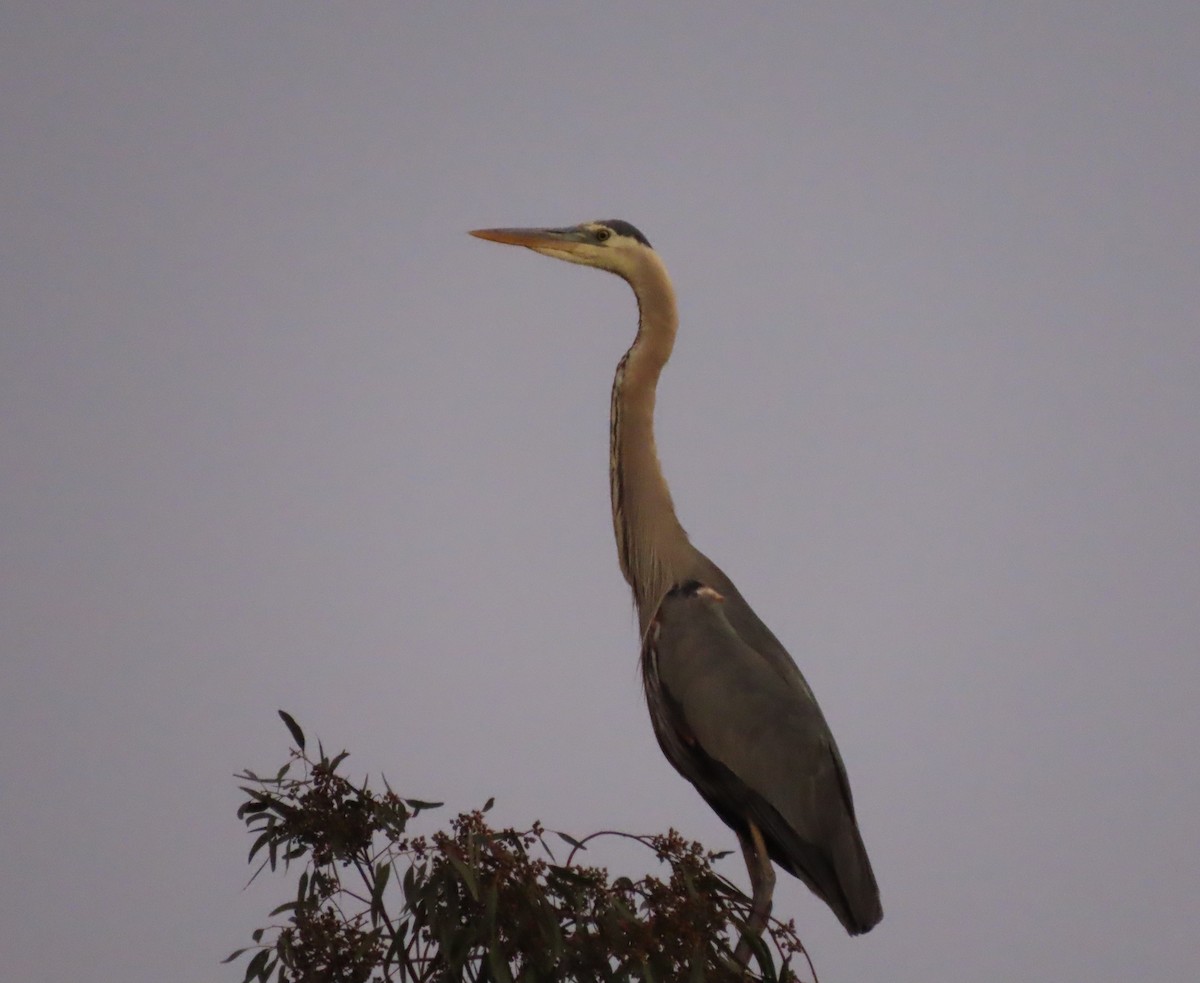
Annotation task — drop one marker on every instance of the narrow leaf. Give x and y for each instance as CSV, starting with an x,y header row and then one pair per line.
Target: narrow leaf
x,y
466,874
258,844
498,965
254,967
382,872
252,808
393,950
233,955
297,733
570,839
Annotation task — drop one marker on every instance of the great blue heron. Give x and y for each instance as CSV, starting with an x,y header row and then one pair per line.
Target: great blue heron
x,y
730,709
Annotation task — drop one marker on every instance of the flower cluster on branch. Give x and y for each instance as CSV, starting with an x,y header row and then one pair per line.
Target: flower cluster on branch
x,y
376,902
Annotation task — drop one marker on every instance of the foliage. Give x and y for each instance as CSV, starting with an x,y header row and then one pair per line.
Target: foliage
x,y
374,902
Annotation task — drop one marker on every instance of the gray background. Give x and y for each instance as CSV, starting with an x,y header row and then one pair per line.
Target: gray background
x,y
278,433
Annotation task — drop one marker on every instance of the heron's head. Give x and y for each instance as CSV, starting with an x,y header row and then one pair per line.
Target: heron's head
x,y
611,245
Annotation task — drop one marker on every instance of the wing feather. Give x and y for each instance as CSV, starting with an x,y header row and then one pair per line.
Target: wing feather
x,y
756,748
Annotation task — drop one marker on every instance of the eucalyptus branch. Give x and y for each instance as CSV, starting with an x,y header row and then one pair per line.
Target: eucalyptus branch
x,y
373,901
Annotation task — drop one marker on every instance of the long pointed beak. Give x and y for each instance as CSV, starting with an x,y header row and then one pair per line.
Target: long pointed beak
x,y
559,240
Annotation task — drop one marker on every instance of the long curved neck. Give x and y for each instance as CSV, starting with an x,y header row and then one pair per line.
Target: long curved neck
x,y
651,544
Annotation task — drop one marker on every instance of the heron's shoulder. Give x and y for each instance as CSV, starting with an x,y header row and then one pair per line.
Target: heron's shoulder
x,y
745,622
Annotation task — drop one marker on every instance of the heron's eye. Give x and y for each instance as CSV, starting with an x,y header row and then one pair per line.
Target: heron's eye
x,y
602,235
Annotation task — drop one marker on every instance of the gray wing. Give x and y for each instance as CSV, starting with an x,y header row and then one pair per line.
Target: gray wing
x,y
756,747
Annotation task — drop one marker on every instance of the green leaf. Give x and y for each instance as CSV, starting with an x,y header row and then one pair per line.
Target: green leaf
x,y
382,872
393,950
487,806
466,874
252,808
569,874
570,839
260,842
418,805
392,816
491,901
233,955
297,733
498,965
255,966
762,954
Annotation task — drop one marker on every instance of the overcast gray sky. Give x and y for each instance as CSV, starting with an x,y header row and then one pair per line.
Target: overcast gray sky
x,y
278,433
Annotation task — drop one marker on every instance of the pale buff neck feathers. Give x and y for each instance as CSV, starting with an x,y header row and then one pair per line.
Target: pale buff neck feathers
x,y
651,544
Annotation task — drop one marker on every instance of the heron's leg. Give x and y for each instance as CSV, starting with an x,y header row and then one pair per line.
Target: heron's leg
x,y
762,884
